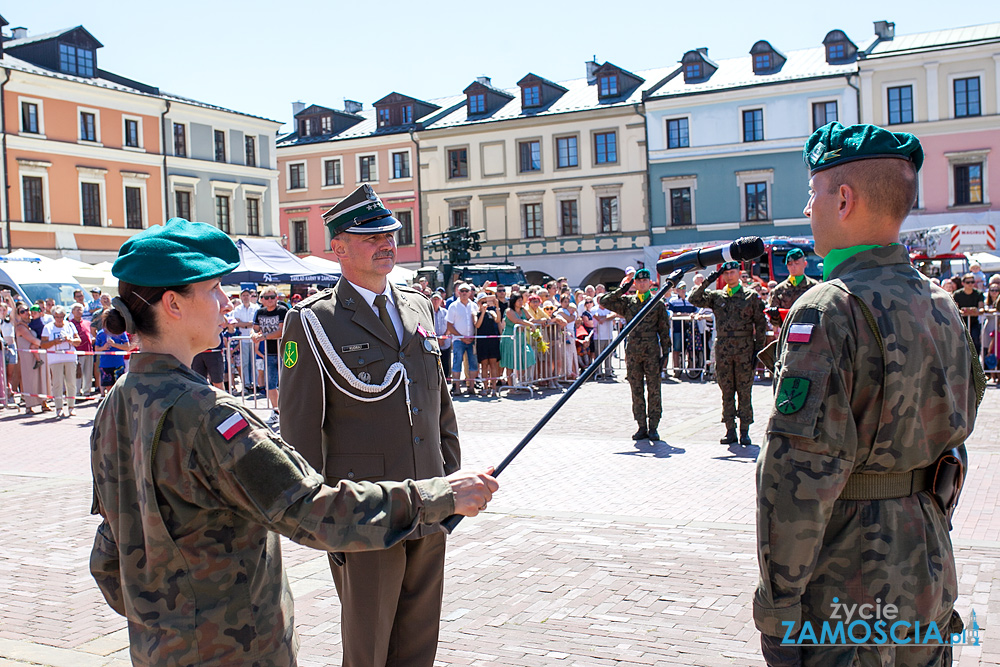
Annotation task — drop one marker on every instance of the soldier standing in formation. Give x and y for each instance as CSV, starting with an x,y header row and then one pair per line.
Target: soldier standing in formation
x,y
194,489
647,347
791,288
365,398
875,381
740,329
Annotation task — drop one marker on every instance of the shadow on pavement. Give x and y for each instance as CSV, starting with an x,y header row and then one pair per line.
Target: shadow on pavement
x,y
740,454
657,449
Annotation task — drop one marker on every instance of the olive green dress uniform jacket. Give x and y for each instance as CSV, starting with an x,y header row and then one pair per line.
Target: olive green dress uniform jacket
x,y
843,408
188,550
349,439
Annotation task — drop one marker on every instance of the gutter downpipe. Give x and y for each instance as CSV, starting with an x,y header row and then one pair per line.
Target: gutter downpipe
x,y
6,180
419,198
857,92
649,184
163,149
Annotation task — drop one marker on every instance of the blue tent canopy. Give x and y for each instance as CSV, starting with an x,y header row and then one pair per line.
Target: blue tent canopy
x,y
265,261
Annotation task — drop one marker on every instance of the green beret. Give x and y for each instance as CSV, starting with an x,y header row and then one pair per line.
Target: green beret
x,y
794,254
361,212
835,144
726,266
643,273
177,253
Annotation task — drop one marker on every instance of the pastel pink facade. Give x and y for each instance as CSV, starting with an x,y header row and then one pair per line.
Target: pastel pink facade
x,y
941,154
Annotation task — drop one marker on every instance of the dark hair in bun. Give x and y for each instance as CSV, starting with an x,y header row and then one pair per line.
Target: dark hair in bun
x,y
139,300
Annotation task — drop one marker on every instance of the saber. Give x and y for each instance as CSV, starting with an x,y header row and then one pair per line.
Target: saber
x,y
452,521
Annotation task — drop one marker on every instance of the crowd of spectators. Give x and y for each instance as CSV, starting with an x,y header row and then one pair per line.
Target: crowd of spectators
x,y
489,335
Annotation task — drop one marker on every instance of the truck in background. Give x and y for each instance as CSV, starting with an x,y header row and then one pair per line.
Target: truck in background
x,y
940,252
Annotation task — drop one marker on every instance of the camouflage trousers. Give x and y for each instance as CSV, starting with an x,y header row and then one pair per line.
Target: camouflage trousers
x,y
734,368
643,369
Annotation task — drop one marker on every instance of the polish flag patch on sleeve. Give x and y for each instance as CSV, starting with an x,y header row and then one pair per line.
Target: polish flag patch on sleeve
x,y
231,426
800,333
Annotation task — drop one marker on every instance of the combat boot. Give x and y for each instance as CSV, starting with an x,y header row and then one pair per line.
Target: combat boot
x,y
730,437
745,440
641,434
652,434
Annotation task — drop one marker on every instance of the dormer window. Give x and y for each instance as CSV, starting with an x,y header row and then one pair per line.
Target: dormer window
x,y
407,114
400,111
532,96
835,51
305,127
326,122
839,48
692,71
76,61
762,62
608,85
383,117
766,59
697,66
477,103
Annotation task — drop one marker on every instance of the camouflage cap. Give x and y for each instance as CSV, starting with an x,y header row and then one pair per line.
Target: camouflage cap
x,y
794,254
643,274
834,144
361,212
177,253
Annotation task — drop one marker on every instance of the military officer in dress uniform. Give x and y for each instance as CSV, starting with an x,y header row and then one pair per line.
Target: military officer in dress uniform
x,y
647,347
791,288
194,489
740,329
876,380
364,398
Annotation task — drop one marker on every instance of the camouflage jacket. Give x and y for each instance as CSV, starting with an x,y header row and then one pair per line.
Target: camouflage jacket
x,y
785,294
194,489
843,407
741,314
652,334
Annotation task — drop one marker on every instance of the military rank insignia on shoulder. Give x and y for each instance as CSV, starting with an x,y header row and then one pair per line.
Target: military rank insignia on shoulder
x,y
800,333
231,426
792,394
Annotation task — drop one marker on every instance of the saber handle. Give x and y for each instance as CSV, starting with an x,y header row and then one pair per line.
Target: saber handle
x,y
452,521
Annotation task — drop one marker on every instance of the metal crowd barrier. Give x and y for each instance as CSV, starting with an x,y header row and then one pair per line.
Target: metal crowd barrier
x,y
695,346
989,343
550,366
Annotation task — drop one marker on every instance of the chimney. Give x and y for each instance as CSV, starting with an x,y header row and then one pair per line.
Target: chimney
x,y
18,33
485,80
591,69
885,30
350,106
703,50
297,108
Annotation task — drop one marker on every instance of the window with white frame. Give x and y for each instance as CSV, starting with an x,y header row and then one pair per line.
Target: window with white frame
x,y
90,125
969,182
405,234
34,182
253,216
296,176
131,132
250,148
332,173
91,200
755,194
967,100
134,194
401,164
182,204
679,196
367,168
223,216
569,217
31,117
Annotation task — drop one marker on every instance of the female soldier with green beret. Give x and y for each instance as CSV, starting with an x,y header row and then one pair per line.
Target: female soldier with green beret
x,y
194,489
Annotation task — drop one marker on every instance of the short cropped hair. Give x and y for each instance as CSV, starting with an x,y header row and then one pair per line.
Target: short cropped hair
x,y
888,186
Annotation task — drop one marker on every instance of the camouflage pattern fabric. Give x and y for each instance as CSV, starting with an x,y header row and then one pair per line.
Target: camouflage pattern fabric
x,y
843,408
647,344
740,329
194,490
785,294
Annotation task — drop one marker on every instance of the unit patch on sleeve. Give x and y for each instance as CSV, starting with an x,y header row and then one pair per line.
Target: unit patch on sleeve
x,y
792,395
231,426
291,356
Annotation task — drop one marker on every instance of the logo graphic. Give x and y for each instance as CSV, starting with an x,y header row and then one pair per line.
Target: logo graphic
x,y
291,356
791,395
816,152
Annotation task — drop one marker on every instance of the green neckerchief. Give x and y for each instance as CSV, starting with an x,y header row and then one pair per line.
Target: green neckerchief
x,y
644,295
835,257
731,291
796,280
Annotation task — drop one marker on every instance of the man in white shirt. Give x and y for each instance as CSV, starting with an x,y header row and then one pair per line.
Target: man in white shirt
x,y
462,316
604,323
243,320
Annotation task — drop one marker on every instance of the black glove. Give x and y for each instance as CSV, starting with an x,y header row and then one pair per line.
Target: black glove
x,y
777,654
713,277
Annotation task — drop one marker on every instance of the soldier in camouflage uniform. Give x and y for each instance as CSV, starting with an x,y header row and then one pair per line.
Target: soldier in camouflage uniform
x,y
194,489
740,329
648,345
874,382
791,288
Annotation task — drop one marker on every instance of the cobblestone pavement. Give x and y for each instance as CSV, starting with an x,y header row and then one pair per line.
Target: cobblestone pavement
x,y
596,551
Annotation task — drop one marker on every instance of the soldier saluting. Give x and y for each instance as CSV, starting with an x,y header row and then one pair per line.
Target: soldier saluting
x,y
740,329
876,380
648,345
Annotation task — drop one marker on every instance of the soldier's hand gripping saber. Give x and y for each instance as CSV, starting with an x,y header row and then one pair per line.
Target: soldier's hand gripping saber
x,y
744,249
